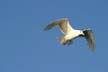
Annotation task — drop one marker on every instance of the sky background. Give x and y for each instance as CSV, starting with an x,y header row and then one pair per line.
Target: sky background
x,y
26,47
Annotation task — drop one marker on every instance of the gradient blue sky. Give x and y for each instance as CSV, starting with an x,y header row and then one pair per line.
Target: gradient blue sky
x,y
25,47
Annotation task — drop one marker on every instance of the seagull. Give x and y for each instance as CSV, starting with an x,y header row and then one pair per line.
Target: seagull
x,y
70,33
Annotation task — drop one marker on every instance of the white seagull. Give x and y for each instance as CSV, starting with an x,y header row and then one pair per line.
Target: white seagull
x,y
70,33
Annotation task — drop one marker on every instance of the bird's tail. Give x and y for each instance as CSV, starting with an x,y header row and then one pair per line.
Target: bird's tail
x,y
62,40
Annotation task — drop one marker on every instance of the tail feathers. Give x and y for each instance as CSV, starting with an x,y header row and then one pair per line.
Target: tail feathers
x,y
62,40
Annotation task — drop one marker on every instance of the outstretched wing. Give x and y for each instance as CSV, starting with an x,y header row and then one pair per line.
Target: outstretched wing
x,y
63,23
90,39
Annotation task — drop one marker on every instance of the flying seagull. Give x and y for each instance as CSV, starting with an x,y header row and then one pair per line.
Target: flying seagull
x,y
70,33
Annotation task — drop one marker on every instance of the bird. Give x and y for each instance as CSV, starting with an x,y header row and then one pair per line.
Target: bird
x,y
70,33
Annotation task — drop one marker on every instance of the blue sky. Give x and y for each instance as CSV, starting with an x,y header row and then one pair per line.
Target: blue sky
x,y
25,47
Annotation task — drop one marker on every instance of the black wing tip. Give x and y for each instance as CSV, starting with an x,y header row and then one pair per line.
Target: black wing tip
x,y
45,29
93,48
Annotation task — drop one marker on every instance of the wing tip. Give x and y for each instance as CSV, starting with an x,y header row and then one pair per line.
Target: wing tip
x,y
48,27
93,48
45,29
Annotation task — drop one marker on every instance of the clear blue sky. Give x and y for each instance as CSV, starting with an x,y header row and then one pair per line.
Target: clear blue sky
x,y
25,47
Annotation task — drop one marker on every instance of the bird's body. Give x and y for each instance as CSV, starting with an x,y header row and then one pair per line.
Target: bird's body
x,y
70,33
73,34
